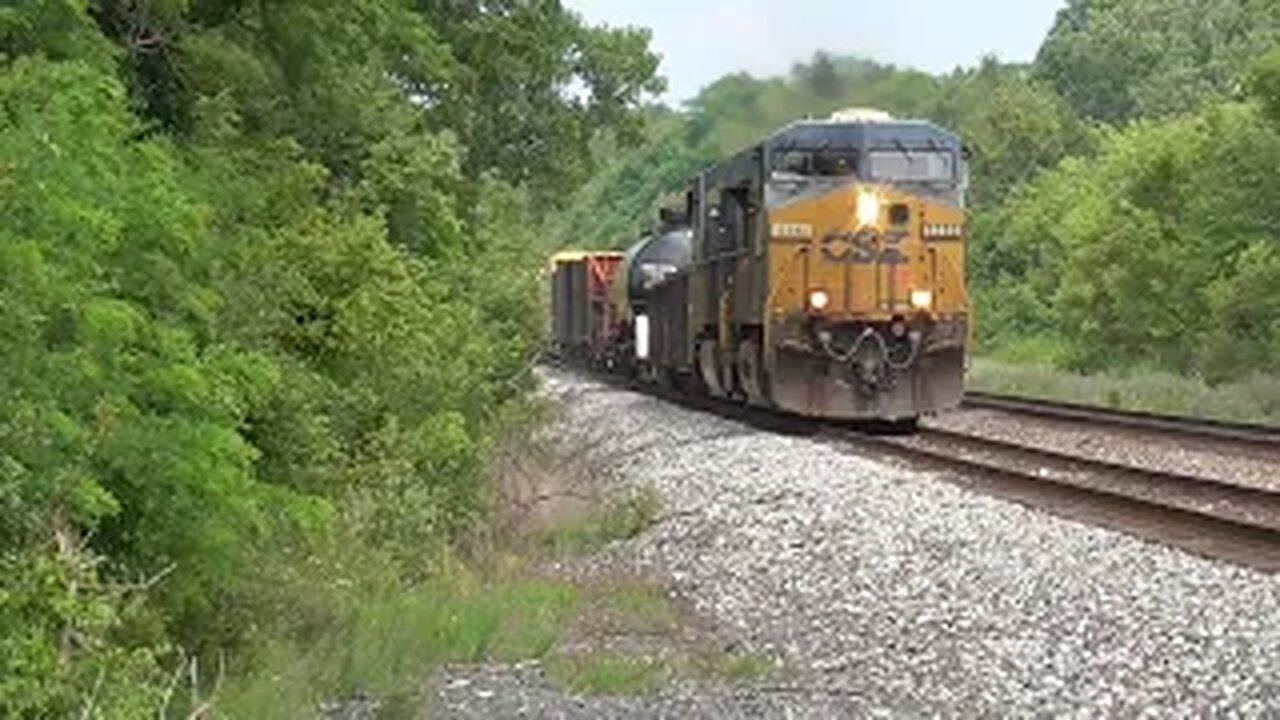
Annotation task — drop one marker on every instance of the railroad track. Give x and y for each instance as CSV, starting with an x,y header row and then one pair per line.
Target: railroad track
x,y
1257,438
1206,516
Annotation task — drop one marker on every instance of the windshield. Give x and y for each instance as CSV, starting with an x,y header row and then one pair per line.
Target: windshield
x,y
817,163
912,165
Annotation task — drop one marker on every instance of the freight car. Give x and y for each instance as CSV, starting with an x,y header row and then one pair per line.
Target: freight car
x,y
655,326
585,326
820,272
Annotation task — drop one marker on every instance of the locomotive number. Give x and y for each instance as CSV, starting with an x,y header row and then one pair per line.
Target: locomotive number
x,y
792,230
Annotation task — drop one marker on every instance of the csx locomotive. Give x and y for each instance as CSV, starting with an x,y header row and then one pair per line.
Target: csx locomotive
x,y
820,272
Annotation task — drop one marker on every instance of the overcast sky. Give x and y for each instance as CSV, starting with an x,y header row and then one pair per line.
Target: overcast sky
x,y
700,40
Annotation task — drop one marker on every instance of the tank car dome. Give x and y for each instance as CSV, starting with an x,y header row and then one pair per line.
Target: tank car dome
x,y
655,258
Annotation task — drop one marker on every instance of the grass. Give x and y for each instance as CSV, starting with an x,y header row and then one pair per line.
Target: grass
x,y
370,636
388,644
1255,399
639,609
739,668
621,519
607,674
384,639
662,643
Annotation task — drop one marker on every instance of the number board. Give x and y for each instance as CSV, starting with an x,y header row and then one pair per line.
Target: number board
x,y
793,231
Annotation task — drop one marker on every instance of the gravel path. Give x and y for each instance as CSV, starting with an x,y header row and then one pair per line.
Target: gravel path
x,y
888,591
1206,458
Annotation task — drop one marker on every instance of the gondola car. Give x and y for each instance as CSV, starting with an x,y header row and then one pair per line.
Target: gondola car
x,y
584,325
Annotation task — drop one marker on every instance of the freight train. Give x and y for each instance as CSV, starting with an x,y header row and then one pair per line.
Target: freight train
x,y
820,272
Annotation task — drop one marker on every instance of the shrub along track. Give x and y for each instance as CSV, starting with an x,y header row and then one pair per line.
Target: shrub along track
x,y
1210,517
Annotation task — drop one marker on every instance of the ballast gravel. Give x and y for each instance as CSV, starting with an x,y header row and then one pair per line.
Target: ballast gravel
x,y
886,591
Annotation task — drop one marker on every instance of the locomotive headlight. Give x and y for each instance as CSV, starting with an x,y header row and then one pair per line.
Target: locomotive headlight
x,y
819,299
921,299
868,208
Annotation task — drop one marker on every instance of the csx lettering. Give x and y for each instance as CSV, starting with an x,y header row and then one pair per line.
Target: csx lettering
x,y
864,248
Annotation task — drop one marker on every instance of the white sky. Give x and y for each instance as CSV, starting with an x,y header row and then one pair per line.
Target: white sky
x,y
701,41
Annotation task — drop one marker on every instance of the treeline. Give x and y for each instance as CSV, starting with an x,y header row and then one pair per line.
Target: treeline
x,y
1124,183
266,295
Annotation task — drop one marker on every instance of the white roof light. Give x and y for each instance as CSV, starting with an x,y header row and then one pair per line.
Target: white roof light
x,y
868,115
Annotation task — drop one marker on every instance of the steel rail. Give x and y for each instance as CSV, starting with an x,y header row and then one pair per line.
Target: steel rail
x,y
1202,515
1262,436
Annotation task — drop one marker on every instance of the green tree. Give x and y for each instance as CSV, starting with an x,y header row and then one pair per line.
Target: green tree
x,y
122,435
532,84
1117,60
820,76
1014,126
1264,84
262,314
1150,251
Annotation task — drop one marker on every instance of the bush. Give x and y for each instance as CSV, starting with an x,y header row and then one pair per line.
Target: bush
x,y
213,364
1254,399
383,645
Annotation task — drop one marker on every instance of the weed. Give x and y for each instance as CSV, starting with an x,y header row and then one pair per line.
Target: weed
x,y
381,638
390,642
740,668
1255,399
606,674
621,520
639,609
632,516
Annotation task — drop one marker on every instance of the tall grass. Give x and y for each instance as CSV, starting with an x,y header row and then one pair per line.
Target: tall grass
x,y
364,634
389,643
621,519
607,674
1253,399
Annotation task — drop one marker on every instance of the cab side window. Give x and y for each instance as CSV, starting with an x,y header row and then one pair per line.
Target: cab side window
x,y
731,224
711,223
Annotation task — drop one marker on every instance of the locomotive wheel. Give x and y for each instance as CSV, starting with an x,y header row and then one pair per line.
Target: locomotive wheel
x,y
751,373
709,369
666,378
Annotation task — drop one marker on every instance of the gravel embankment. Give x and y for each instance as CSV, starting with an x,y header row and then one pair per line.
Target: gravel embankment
x,y
1205,458
889,591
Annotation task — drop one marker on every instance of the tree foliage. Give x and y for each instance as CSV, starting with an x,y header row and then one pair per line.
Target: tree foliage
x,y
1116,60
264,304
1264,84
1013,126
1155,253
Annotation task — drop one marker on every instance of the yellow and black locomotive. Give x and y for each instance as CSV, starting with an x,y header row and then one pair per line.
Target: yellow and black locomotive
x,y
820,272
